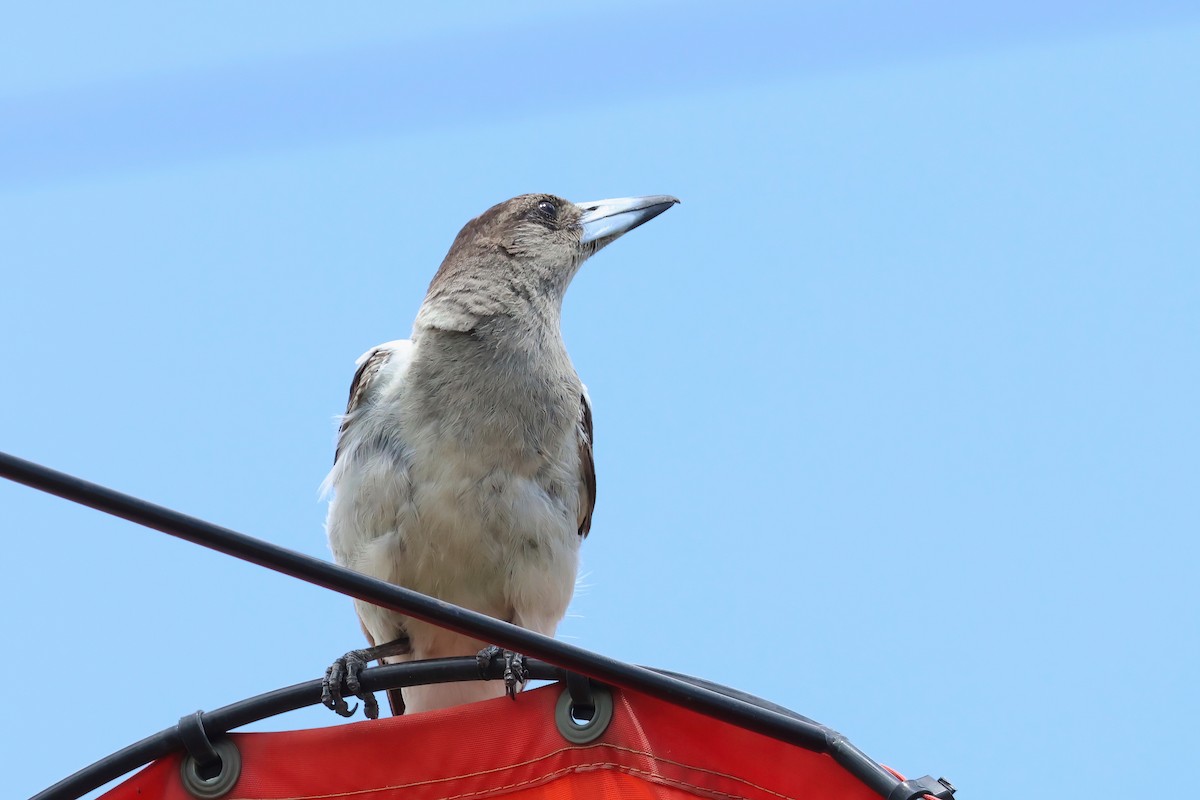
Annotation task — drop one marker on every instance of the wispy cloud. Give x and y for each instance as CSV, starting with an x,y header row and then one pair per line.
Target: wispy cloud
x,y
590,60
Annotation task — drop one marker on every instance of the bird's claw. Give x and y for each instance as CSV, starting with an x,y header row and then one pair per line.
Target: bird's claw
x,y
346,670
516,673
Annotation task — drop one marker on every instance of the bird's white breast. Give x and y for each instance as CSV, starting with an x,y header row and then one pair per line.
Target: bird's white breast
x,y
470,522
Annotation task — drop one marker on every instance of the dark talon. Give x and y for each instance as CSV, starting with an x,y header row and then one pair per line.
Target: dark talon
x,y
484,659
515,670
345,670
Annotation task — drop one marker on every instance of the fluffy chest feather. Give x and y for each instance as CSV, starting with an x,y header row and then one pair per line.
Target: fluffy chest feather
x,y
462,483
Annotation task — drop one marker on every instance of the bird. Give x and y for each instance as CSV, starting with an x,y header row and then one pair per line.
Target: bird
x,y
464,466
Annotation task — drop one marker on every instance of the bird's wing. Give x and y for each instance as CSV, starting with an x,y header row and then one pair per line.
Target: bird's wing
x,y
379,367
587,465
380,372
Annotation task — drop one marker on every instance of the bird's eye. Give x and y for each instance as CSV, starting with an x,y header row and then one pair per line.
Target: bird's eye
x,y
548,208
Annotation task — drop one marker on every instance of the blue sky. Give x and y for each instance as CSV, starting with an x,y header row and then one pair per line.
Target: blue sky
x,y
896,414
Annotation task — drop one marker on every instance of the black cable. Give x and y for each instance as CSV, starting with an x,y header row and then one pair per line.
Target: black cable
x,y
780,726
280,701
300,695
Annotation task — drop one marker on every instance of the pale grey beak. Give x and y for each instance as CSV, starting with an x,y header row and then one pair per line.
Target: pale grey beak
x,y
605,220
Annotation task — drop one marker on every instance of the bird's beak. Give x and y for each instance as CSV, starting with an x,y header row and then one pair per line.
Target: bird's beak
x,y
605,220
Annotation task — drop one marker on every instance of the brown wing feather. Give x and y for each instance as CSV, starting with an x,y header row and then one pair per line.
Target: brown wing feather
x,y
587,467
360,387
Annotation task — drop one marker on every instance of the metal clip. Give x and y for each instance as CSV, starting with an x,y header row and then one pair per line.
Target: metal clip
x,y
209,770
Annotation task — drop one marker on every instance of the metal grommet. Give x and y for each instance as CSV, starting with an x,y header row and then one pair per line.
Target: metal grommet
x,y
590,730
218,785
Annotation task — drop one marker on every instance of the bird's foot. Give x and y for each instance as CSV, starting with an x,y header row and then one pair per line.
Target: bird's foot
x,y
516,673
345,671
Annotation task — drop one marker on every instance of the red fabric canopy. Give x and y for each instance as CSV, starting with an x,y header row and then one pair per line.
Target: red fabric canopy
x,y
501,747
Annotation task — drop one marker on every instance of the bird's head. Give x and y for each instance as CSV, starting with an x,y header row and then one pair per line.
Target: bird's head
x,y
521,255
